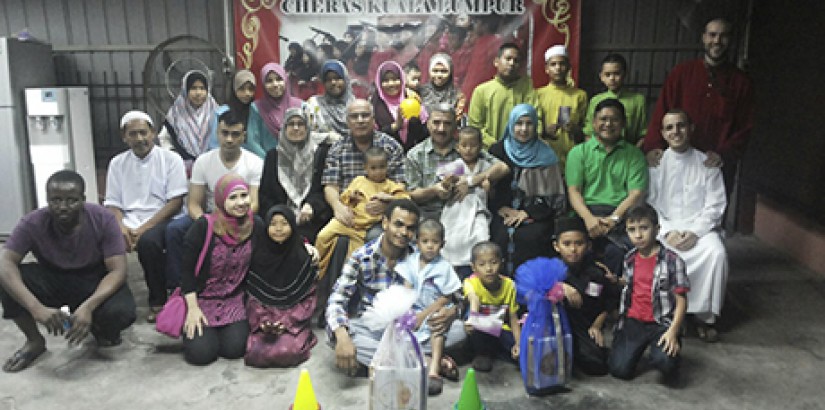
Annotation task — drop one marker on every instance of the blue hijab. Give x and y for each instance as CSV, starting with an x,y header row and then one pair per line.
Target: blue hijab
x,y
530,154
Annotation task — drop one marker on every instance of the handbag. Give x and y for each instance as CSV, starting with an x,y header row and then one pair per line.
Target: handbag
x,y
172,316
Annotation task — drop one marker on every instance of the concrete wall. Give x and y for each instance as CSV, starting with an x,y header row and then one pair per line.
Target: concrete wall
x,y
799,237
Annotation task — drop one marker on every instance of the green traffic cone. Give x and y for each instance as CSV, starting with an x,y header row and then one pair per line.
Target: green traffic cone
x,y
469,399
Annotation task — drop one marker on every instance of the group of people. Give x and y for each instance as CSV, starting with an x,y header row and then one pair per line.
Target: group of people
x,y
268,212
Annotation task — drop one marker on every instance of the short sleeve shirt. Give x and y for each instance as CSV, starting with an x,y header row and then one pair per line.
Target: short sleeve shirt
x,y
345,161
499,303
140,187
209,168
606,178
97,239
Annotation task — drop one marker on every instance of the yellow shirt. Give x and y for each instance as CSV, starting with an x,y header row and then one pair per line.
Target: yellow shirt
x,y
500,303
362,219
550,98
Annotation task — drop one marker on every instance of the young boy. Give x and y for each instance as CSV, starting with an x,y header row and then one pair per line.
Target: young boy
x,y
612,75
653,302
562,105
361,190
468,220
437,285
491,294
588,296
412,76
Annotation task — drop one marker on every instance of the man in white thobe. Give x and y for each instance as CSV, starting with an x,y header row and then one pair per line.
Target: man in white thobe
x,y
690,199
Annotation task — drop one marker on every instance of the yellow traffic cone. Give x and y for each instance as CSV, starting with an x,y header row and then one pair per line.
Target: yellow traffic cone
x,y
469,399
304,395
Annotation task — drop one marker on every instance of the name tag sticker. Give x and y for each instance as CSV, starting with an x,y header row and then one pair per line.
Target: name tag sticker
x,y
594,289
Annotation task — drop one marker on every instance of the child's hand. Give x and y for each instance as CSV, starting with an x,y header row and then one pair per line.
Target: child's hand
x,y
596,335
669,343
572,295
515,351
485,185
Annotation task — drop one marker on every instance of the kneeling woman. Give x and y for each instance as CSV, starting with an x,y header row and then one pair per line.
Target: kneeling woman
x,y
281,287
218,243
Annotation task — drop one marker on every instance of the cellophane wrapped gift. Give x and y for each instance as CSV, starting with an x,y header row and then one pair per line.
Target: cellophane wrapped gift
x,y
398,378
546,345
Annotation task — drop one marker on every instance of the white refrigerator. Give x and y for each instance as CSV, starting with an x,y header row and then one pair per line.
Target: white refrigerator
x,y
22,64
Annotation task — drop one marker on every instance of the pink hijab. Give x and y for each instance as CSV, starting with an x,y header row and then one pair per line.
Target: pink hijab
x,y
272,109
394,102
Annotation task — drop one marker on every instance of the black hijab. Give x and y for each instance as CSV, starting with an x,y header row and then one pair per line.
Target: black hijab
x,y
281,274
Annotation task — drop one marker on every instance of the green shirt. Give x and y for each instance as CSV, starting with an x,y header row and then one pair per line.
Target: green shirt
x,y
550,98
606,178
491,105
635,108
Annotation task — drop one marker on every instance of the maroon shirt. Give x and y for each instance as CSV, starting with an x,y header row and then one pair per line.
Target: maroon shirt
x,y
98,238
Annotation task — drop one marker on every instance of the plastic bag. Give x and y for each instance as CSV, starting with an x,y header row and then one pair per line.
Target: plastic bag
x,y
398,378
546,345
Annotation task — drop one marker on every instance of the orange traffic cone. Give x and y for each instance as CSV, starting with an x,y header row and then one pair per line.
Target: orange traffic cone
x,y
469,399
304,395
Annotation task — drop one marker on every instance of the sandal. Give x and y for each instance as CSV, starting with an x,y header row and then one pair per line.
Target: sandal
x,y
21,359
448,369
707,333
435,385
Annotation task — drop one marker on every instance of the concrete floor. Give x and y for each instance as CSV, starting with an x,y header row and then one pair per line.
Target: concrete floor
x,y
771,356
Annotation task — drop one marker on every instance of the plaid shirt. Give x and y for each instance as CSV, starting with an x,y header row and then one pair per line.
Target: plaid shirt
x,y
345,161
365,274
669,278
422,163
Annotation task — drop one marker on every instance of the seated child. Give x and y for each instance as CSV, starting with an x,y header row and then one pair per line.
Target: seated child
x,y
467,221
587,293
653,302
280,287
491,294
612,75
360,191
437,285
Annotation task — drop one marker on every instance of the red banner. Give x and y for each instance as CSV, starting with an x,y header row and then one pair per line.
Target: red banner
x,y
404,31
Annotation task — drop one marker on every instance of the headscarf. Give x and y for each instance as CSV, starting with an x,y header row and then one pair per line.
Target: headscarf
x,y
393,102
334,109
192,126
232,230
537,172
295,62
272,109
295,162
530,154
433,95
281,274
235,105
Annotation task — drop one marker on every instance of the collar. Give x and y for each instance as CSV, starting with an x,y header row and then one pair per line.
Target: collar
x,y
596,145
146,158
429,147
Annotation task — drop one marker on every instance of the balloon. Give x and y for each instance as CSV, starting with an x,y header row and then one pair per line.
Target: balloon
x,y
410,107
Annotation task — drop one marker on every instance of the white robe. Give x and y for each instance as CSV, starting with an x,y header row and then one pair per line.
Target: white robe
x,y
466,222
691,197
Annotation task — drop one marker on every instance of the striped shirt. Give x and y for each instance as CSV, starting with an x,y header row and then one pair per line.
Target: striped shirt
x,y
345,161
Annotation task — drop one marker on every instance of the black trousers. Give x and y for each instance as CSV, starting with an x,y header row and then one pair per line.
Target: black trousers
x,y
54,289
152,256
587,355
227,341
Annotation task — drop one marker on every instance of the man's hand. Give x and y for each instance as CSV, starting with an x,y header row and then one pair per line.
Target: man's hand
x,y
127,238
376,206
572,295
441,320
344,350
461,189
51,318
343,214
654,157
682,241
512,217
713,160
669,343
81,324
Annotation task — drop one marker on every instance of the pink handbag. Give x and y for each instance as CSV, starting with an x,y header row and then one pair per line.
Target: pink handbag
x,y
171,318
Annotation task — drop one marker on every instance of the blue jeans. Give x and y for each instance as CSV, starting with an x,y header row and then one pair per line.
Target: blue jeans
x,y
630,340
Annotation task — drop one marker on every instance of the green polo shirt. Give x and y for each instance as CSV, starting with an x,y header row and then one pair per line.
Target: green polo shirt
x,y
602,178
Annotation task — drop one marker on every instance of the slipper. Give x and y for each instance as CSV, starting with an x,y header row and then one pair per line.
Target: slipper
x,y
435,385
21,359
707,333
448,369
483,364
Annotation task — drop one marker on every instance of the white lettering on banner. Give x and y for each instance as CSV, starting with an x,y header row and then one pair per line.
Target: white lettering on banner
x,y
444,7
